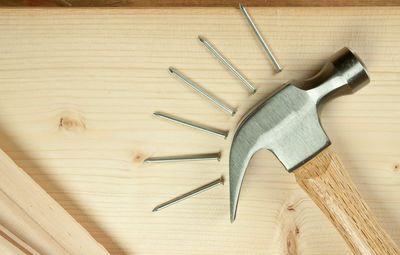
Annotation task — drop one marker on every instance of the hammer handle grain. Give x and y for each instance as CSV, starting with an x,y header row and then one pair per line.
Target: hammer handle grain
x,y
330,187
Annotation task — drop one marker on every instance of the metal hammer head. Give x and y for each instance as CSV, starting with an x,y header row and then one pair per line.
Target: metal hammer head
x,y
287,122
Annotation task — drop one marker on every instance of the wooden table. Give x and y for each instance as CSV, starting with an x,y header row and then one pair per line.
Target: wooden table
x,y
79,86
196,3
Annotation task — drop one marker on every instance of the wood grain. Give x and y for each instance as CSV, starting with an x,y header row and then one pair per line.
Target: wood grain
x,y
79,86
328,184
197,3
32,222
11,244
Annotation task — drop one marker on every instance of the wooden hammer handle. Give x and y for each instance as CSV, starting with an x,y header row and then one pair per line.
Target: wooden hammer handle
x,y
330,187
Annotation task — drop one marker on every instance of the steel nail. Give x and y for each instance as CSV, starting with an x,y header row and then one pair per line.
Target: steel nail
x,y
214,156
260,38
227,64
189,194
223,134
202,91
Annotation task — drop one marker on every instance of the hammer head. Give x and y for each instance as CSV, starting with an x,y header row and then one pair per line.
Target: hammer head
x,y
287,123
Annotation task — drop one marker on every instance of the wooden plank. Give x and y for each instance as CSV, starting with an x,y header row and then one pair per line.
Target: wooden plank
x,y
32,222
78,88
6,247
197,3
11,244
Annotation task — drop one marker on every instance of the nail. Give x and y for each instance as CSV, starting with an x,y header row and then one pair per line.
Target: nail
x,y
264,44
189,194
227,64
202,157
202,91
223,134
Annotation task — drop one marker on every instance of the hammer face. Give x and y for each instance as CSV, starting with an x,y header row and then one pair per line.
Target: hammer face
x,y
287,123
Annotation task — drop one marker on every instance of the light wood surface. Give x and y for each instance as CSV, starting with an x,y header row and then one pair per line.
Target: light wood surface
x,y
78,87
31,222
328,184
198,3
9,242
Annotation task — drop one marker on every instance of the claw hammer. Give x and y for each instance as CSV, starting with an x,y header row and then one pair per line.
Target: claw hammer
x,y
287,123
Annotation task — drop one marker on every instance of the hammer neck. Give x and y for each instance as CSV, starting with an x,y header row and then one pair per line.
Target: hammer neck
x,y
345,73
329,87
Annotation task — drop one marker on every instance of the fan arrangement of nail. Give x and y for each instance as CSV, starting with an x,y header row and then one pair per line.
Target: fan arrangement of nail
x,y
224,134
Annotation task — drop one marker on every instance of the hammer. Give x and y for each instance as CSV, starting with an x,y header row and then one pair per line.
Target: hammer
x,y
287,123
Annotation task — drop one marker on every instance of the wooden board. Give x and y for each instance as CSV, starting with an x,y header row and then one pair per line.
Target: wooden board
x,y
78,88
198,3
32,222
